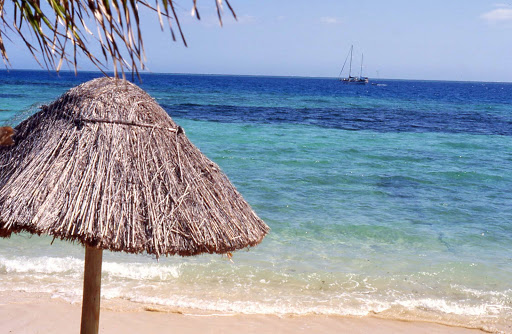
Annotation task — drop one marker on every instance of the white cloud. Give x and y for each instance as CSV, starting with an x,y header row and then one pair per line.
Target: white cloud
x,y
330,20
212,20
247,19
502,14
498,5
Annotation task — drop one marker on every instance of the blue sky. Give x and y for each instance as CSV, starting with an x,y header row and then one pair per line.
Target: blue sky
x,y
437,40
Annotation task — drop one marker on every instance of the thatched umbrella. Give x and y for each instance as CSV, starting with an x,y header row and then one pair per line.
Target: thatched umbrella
x,y
106,166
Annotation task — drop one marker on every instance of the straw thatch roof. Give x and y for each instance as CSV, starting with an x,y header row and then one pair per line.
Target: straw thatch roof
x,y
106,166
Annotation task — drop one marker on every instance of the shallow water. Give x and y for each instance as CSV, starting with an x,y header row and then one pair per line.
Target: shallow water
x,y
392,199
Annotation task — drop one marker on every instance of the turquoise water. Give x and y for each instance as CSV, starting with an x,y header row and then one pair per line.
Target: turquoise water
x,y
391,199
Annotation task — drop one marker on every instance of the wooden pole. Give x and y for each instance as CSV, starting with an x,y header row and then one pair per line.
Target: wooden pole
x,y
92,287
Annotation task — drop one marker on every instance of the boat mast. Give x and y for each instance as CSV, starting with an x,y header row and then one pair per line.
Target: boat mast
x,y
350,68
361,74
344,63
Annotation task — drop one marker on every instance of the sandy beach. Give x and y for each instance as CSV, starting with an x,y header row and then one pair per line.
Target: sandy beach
x,y
22,312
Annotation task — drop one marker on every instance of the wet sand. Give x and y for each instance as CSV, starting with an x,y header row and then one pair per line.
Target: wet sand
x,y
22,312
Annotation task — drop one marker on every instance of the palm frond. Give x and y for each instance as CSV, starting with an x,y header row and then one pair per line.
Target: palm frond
x,y
60,30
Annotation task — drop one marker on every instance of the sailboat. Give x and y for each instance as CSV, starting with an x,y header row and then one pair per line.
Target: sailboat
x,y
360,80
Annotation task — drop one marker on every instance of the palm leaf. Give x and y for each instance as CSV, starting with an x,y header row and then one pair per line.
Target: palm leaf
x,y
55,24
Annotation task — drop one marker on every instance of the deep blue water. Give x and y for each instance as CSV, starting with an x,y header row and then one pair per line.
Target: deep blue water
x,y
392,198
390,106
401,106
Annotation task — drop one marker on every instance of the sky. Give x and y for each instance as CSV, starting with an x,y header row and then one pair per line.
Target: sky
x,y
463,40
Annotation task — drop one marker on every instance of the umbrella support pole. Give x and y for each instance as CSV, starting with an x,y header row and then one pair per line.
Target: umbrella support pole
x,y
92,286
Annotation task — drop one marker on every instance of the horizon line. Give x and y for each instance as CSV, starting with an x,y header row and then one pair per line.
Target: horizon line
x,y
242,75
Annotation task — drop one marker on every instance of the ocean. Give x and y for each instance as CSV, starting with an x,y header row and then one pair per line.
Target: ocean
x,y
392,199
